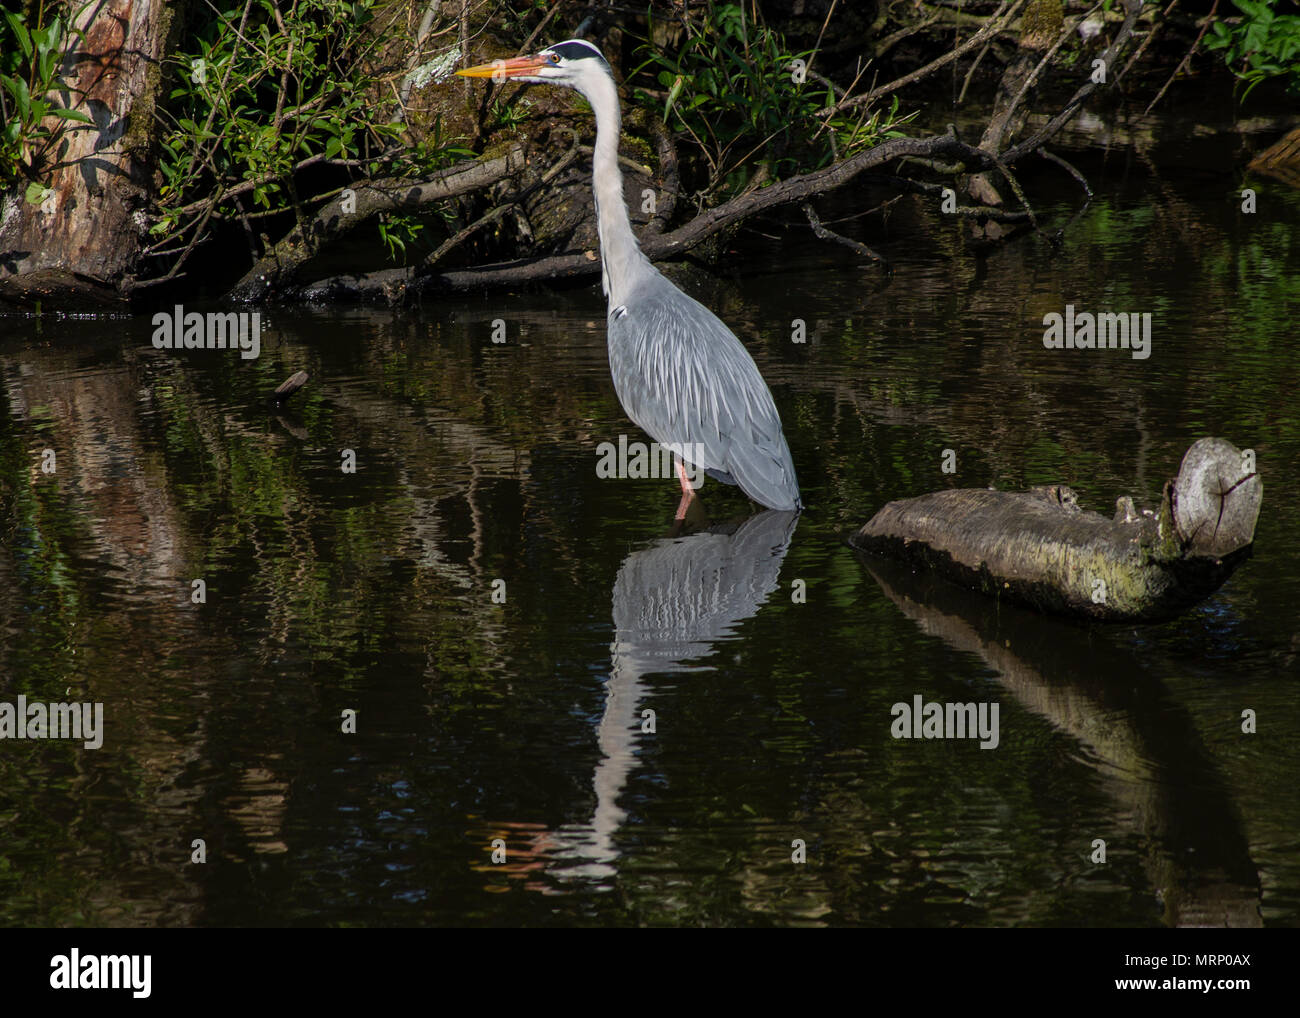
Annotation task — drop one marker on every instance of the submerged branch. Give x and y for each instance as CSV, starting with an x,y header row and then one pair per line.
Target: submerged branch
x,y
823,233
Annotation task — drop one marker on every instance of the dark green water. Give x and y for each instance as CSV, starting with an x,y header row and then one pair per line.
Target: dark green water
x,y
372,591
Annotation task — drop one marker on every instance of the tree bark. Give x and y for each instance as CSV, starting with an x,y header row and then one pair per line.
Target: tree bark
x,y
86,239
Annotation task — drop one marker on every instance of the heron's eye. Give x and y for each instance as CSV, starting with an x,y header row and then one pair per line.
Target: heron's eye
x,y
552,58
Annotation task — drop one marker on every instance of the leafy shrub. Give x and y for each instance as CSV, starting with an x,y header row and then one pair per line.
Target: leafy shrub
x,y
1262,45
31,60
736,89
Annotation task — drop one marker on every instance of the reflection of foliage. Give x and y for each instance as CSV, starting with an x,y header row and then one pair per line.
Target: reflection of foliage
x,y
1262,45
38,529
746,102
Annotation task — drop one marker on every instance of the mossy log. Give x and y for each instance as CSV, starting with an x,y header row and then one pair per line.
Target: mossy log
x,y
1282,159
1041,549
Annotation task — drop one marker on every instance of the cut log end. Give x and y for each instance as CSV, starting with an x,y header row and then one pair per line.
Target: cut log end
x,y
1217,497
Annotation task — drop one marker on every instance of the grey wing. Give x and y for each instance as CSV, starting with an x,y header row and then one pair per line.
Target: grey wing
x,y
689,383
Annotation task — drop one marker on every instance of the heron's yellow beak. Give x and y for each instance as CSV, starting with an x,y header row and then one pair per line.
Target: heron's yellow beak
x,y
517,67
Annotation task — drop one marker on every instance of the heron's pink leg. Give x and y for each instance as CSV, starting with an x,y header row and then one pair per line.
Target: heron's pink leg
x,y
688,492
686,482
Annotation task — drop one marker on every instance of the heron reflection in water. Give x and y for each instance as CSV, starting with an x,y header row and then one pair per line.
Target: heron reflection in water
x,y
673,603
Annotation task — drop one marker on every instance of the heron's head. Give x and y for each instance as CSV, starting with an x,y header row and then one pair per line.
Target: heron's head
x,y
573,64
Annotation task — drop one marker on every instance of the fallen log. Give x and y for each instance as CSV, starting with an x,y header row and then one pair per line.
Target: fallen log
x,y
1281,160
356,205
1042,550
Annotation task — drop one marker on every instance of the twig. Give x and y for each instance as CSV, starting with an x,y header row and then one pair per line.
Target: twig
x,y
884,206
992,28
818,43
135,285
1015,188
1053,158
824,234
527,46
970,72
1038,69
288,63
248,231
1209,19
890,41
981,213
1155,30
462,235
1053,126
248,185
190,246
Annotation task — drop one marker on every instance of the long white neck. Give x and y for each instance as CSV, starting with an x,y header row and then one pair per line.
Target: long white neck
x,y
620,256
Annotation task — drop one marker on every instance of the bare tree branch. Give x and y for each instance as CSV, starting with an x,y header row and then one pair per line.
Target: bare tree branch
x,y
996,24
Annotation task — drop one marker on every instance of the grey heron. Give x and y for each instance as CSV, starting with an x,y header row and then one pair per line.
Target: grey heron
x,y
679,373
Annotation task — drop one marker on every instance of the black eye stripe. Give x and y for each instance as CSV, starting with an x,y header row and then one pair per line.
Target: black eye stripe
x,y
574,50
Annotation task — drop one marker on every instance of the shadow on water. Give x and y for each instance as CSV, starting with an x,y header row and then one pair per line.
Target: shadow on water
x,y
1143,745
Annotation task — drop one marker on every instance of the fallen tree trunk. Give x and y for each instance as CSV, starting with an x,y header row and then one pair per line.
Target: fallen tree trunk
x,y
1281,160
356,205
1041,550
410,283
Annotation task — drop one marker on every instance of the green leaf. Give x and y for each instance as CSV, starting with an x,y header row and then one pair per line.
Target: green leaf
x,y
20,30
21,95
673,93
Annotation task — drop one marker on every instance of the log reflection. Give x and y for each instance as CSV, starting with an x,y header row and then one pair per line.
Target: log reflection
x,y
1142,743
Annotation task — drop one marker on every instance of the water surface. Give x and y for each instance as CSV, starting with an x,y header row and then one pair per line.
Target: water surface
x,y
523,721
